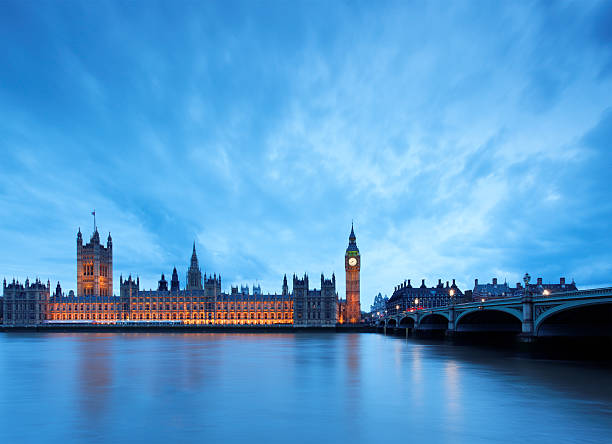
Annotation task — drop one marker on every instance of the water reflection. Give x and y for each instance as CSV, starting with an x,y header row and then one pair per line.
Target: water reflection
x,y
305,387
452,387
417,385
95,375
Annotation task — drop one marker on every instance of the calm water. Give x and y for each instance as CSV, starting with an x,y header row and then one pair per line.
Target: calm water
x,y
73,388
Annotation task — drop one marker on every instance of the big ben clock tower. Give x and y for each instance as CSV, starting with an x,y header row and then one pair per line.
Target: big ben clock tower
x,y
352,265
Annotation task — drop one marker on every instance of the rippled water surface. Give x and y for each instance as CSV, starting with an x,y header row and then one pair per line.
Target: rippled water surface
x,y
295,388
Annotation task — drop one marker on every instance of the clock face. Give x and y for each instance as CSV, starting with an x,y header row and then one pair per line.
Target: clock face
x,y
352,262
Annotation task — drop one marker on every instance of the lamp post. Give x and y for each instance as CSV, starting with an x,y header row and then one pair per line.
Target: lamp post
x,y
416,302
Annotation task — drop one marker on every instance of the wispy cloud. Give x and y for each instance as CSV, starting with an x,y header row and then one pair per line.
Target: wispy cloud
x,y
469,141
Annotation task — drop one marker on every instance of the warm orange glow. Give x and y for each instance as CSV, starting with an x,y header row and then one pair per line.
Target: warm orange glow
x,y
226,312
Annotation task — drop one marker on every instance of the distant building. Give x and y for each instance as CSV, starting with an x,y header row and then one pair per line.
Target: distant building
x,y
341,311
94,266
495,290
545,289
203,303
200,302
352,267
25,304
380,303
314,307
406,297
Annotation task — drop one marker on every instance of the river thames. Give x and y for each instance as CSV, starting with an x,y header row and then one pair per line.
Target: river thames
x,y
273,388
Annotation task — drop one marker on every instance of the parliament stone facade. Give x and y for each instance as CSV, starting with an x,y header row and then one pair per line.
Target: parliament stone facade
x,y
200,302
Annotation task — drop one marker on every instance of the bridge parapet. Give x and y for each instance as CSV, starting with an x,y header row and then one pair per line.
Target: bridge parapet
x,y
579,294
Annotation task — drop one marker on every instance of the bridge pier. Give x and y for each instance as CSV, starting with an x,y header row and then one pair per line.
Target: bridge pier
x,y
451,319
527,328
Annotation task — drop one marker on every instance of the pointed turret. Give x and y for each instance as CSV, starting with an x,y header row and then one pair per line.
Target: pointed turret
x,y
194,275
352,246
285,286
174,283
95,238
162,284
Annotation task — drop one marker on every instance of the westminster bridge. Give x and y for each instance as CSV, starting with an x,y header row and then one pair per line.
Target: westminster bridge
x,y
582,313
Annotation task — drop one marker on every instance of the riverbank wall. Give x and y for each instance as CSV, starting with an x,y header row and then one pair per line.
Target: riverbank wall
x,y
99,328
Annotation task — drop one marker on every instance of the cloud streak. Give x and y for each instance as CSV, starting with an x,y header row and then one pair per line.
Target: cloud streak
x,y
466,142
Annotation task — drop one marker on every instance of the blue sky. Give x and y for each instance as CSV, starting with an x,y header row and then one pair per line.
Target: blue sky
x,y
466,139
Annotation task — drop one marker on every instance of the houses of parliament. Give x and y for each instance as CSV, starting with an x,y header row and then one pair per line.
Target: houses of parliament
x,y
200,301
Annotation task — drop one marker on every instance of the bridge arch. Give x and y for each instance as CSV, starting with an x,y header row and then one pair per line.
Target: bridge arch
x,y
427,315
513,312
433,321
576,318
391,322
495,319
407,321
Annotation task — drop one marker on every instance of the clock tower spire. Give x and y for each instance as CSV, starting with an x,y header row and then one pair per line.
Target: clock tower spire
x,y
352,266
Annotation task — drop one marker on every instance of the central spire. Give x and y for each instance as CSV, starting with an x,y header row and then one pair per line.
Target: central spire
x,y
194,257
352,246
194,275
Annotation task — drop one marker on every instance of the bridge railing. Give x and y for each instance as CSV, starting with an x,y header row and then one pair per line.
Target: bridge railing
x,y
576,294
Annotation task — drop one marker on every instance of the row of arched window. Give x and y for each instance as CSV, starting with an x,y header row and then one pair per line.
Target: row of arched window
x,y
220,316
